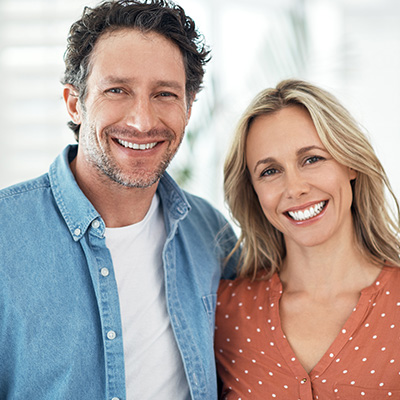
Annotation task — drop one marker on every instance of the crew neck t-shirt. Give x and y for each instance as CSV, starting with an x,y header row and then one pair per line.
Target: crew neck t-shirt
x,y
255,360
153,365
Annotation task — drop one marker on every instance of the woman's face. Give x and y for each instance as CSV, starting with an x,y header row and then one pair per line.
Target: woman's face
x,y
303,191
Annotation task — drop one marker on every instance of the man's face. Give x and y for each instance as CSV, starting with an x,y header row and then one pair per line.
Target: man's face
x,y
135,113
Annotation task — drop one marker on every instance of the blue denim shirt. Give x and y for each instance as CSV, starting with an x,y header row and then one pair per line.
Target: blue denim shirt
x,y
60,323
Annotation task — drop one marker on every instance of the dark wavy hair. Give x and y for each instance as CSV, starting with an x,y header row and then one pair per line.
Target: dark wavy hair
x,y
160,16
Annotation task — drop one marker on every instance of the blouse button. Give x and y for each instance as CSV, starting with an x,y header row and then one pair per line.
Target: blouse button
x,y
304,380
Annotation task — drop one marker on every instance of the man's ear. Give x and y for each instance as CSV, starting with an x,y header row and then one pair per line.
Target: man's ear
x,y
189,109
71,98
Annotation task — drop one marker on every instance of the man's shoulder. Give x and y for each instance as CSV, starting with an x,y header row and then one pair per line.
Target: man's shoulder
x,y
176,198
29,187
25,204
201,203
202,210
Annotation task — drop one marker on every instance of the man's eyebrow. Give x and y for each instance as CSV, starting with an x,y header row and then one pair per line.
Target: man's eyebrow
x,y
299,152
113,80
171,84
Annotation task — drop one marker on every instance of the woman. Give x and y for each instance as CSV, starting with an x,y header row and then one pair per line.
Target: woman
x,y
315,310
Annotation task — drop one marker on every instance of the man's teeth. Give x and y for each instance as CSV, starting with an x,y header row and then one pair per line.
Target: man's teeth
x,y
307,214
136,146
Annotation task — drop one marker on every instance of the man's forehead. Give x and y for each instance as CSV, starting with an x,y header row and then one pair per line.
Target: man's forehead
x,y
126,44
146,37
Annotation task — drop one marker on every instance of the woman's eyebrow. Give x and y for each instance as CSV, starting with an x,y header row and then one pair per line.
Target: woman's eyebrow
x,y
299,152
264,161
306,149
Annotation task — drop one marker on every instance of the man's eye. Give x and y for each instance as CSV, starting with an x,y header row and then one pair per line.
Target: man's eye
x,y
115,90
167,94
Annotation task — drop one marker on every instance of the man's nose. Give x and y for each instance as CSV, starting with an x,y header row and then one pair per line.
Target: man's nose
x,y
141,114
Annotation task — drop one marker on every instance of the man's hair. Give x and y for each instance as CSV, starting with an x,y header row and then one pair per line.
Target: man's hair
x,y
160,16
376,228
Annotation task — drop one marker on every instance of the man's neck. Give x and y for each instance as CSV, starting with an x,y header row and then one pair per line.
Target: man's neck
x,y
118,205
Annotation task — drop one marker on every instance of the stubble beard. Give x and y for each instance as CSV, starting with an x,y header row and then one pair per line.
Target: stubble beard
x,y
140,178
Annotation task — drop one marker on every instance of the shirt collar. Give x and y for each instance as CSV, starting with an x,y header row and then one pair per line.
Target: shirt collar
x,y
74,206
173,198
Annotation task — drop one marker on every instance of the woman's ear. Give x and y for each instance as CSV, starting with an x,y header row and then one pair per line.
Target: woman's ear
x,y
71,98
352,174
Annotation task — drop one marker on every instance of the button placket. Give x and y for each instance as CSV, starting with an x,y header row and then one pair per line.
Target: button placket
x,y
107,296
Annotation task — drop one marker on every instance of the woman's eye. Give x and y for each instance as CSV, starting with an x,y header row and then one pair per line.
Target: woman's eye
x,y
269,172
313,159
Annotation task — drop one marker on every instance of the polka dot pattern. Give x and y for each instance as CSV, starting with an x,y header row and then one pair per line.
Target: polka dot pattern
x,y
257,361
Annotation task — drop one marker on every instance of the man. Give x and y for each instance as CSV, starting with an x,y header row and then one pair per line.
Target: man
x,y
108,270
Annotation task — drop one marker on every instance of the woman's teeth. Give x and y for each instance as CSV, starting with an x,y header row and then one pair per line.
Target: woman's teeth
x,y
136,146
309,213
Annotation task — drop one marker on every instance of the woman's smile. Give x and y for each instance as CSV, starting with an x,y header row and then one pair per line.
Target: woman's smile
x,y
305,214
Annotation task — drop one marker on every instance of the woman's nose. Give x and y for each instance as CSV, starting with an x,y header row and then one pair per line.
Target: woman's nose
x,y
296,184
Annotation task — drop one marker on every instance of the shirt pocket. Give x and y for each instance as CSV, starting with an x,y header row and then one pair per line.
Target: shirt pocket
x,y
346,392
210,304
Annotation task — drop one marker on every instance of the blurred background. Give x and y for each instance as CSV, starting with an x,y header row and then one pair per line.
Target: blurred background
x,y
349,47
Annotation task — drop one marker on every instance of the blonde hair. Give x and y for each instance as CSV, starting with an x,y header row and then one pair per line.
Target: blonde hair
x,y
376,227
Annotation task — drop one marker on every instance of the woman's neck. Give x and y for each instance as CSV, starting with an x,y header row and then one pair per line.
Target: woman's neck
x,y
327,269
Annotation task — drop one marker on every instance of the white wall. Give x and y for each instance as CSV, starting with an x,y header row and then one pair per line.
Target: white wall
x,y
353,51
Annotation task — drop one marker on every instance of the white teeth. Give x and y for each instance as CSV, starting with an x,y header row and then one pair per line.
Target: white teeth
x,y
307,214
136,146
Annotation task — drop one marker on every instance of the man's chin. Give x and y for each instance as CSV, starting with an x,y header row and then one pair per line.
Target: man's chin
x,y
139,181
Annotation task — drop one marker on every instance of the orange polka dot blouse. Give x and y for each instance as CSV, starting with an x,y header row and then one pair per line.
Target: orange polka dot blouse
x,y
255,361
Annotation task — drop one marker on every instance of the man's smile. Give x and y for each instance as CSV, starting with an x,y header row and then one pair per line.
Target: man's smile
x,y
137,146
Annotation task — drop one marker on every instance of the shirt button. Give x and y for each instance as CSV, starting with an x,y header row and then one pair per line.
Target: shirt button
x,y
105,272
304,380
77,232
95,224
111,335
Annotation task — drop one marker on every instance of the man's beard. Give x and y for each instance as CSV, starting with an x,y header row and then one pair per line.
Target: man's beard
x,y
139,178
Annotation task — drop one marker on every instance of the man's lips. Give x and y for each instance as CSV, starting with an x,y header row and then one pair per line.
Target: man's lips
x,y
137,146
307,213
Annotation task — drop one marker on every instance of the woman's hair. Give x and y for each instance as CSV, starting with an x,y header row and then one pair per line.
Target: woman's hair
x,y
159,16
376,227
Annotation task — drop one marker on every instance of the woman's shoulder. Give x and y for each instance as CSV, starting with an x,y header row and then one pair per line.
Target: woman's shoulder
x,y
390,273
388,278
246,286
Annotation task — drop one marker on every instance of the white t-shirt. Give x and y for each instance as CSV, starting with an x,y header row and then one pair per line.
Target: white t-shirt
x,y
153,366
